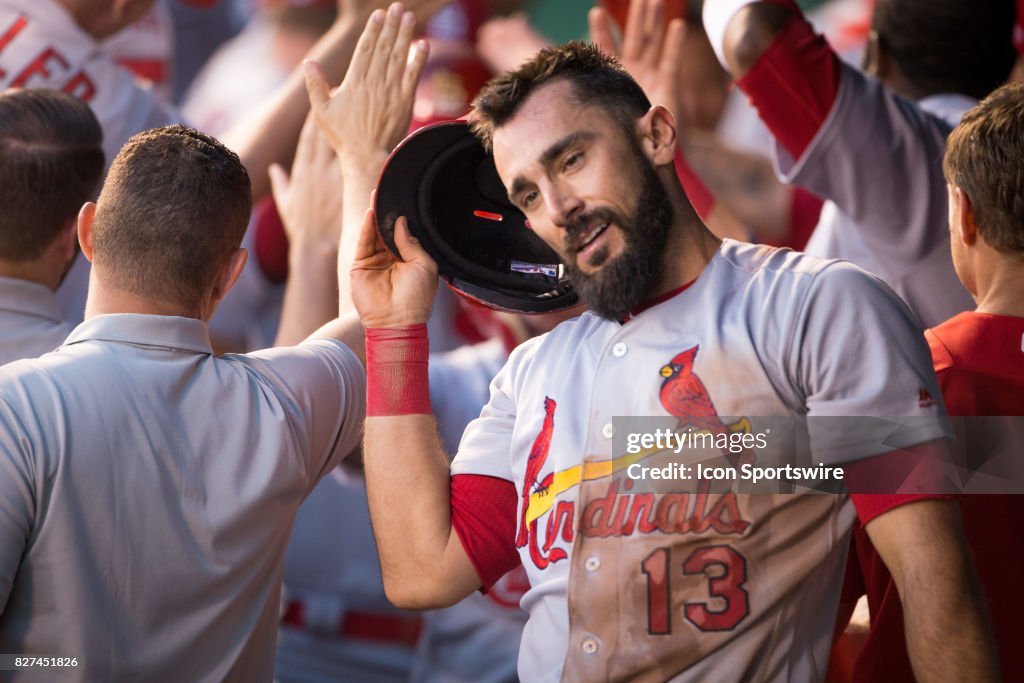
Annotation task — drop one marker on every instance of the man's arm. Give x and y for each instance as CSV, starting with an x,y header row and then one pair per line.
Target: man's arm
x,y
309,203
16,502
423,562
948,633
369,114
842,136
364,119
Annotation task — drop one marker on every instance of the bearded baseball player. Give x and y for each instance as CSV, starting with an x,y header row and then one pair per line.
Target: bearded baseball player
x,y
653,587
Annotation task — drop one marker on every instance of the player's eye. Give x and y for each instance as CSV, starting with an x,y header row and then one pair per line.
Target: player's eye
x,y
572,161
528,199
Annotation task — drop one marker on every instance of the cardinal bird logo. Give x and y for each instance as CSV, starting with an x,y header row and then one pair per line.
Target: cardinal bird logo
x,y
684,396
531,484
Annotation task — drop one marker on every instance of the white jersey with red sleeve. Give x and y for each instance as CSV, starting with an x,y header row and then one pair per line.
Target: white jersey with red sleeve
x,y
640,586
878,160
873,155
146,48
41,46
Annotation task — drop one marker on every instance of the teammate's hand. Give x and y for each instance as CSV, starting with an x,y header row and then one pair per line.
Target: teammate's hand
x,y
309,202
388,292
369,113
649,52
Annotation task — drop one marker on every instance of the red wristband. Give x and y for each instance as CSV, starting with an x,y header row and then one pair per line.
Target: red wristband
x,y
397,379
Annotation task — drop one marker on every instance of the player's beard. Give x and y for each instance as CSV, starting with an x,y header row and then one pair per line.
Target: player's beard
x,y
626,281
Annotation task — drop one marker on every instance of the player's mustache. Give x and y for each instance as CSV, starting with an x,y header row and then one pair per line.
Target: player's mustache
x,y
581,223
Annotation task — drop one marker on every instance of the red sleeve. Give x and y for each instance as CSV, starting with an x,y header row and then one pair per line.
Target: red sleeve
x,y
879,484
803,218
700,196
794,84
271,243
484,517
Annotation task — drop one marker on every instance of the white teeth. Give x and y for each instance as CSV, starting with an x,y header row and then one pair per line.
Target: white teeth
x,y
592,235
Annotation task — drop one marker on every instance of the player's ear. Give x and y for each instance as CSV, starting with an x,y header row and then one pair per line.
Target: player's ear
x,y
657,130
967,228
84,224
229,273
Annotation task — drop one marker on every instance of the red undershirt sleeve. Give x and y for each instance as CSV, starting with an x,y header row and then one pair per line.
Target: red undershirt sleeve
x,y
794,84
270,242
900,475
484,517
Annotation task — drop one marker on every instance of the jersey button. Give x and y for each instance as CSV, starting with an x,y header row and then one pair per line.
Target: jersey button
x,y
608,431
589,646
593,563
619,350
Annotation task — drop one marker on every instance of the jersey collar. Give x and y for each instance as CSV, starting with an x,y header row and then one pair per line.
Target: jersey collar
x,y
162,331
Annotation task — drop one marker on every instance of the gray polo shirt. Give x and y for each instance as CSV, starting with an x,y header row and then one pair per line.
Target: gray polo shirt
x,y
148,490
30,321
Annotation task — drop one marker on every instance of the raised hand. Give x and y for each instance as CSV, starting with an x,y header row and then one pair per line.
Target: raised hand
x,y
388,292
309,201
310,205
369,113
649,51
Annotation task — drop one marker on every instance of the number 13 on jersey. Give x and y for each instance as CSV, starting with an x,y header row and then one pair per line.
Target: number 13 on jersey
x,y
726,571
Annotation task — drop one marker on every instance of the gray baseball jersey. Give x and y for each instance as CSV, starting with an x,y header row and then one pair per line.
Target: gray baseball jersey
x,y
755,579
30,321
148,492
878,160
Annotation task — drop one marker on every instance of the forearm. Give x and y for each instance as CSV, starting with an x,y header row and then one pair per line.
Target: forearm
x,y
948,631
423,563
269,134
311,293
408,488
743,183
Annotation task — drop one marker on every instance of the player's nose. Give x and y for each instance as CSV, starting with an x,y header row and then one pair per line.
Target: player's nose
x,y
563,204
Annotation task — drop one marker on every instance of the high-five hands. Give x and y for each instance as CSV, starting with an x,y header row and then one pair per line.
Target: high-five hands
x,y
368,114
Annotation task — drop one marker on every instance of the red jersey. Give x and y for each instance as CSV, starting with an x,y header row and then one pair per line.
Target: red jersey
x,y
979,360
